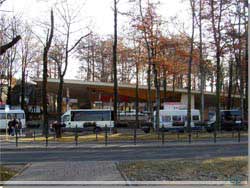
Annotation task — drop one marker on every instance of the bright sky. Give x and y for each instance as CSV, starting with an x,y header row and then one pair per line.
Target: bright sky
x,y
96,13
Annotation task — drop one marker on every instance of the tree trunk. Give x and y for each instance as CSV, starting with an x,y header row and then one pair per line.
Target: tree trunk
x,y
240,67
230,86
115,62
59,98
23,89
246,64
165,84
202,71
45,75
137,95
190,72
157,89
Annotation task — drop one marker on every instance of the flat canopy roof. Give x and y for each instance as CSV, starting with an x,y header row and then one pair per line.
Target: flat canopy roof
x,y
78,88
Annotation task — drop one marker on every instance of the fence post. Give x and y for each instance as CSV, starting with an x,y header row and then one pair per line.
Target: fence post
x,y
34,135
135,135
233,133
54,134
96,135
239,134
76,136
46,137
162,135
106,135
16,137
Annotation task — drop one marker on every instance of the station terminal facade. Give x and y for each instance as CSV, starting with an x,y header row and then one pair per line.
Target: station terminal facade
x,y
79,94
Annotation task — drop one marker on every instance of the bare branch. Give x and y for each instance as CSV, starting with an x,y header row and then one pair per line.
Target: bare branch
x,y
78,42
5,47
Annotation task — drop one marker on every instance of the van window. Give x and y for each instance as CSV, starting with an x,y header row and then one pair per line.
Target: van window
x,y
19,116
196,118
66,118
2,116
91,115
166,118
176,118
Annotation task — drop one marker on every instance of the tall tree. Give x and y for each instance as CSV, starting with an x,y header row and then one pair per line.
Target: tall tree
x,y
216,12
201,62
62,47
192,4
46,49
115,62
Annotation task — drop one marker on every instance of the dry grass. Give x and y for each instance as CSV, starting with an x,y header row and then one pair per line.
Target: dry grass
x,y
222,169
6,173
130,136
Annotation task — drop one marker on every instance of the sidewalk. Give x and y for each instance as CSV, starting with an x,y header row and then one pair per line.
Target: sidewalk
x,y
11,145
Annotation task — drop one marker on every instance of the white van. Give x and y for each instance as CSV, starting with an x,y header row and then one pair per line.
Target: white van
x,y
88,118
172,119
5,117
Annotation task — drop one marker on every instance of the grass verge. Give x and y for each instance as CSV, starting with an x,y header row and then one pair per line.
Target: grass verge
x,y
215,169
130,136
6,173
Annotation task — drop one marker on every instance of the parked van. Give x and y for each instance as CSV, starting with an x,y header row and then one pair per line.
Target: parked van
x,y
6,116
230,120
90,119
176,119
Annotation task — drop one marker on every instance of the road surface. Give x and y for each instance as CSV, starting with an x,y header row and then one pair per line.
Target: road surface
x,y
118,154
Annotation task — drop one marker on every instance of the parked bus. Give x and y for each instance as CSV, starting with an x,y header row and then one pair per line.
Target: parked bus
x,y
177,119
89,119
5,117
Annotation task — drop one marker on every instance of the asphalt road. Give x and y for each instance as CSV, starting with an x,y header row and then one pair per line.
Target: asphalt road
x,y
118,154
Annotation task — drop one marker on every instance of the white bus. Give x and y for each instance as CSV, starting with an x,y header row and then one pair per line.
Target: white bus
x,y
176,119
91,119
10,115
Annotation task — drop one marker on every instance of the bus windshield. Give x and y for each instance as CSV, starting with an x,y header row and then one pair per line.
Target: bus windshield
x,y
90,115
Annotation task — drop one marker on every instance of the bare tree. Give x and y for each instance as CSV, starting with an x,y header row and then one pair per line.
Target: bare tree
x,y
192,4
46,49
216,9
115,62
63,49
27,55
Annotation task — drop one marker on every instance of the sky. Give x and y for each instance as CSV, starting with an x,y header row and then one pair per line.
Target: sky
x,y
96,14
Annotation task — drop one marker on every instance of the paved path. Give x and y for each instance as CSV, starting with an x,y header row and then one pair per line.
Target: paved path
x,y
70,171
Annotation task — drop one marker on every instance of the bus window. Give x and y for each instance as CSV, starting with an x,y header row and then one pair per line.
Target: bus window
x,y
176,118
91,116
19,116
166,118
9,116
196,118
2,116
